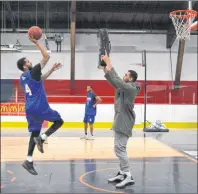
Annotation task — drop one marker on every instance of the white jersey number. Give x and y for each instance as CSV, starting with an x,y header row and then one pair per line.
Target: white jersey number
x,y
27,90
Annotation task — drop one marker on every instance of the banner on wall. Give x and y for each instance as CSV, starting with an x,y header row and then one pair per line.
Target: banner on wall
x,y
12,109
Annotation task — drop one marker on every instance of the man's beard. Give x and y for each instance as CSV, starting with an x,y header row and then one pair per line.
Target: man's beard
x,y
29,68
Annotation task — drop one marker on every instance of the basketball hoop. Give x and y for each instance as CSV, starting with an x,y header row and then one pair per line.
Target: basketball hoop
x,y
182,20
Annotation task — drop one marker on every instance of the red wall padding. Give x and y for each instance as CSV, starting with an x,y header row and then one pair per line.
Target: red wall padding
x,y
58,91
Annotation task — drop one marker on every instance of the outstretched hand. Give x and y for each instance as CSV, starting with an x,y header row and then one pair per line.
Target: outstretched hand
x,y
32,40
56,66
106,59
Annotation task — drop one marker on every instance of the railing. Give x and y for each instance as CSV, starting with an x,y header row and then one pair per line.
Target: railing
x,y
153,97
58,92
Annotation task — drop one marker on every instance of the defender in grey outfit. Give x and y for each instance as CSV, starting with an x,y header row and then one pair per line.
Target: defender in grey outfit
x,y
124,119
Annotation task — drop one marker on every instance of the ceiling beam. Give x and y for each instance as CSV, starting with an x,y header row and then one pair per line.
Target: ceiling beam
x,y
47,16
91,31
153,14
98,7
194,5
157,29
127,7
11,15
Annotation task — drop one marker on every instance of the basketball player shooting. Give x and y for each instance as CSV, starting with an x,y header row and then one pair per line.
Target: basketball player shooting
x,y
36,105
124,119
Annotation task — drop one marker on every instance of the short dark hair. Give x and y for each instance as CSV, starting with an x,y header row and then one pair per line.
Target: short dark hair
x,y
21,63
134,75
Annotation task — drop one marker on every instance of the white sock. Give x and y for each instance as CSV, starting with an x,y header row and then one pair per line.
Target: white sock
x,y
29,158
44,136
127,173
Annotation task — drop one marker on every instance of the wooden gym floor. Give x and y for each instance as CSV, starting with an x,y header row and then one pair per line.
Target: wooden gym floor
x,y
159,163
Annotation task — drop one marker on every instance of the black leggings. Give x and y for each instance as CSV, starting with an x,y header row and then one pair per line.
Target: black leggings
x,y
56,125
31,142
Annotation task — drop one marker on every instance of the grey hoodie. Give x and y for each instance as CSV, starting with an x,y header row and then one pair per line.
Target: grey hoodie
x,y
124,118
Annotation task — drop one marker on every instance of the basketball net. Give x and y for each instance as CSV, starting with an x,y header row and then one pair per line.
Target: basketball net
x,y
182,21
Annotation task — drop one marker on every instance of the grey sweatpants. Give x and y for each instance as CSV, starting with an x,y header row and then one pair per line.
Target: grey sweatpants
x,y
120,143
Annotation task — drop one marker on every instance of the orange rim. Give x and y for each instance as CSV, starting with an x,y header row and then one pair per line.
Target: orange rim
x,y
188,13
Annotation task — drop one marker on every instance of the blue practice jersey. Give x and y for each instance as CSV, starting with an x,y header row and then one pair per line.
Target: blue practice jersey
x,y
36,100
90,101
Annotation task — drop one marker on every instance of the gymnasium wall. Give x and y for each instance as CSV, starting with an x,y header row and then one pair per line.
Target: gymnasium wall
x,y
159,67
173,116
125,51
178,109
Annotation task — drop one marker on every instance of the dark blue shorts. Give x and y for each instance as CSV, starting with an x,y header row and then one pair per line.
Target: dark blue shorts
x,y
89,119
35,121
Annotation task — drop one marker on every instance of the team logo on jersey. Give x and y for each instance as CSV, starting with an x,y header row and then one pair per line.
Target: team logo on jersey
x,y
88,99
23,78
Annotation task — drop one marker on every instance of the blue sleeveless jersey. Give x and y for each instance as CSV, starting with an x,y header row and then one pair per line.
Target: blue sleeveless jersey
x,y
90,101
36,100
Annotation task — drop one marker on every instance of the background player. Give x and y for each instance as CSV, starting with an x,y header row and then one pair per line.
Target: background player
x,y
124,119
36,105
90,112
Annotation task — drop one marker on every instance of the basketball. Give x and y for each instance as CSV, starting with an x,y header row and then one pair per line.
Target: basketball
x,y
35,32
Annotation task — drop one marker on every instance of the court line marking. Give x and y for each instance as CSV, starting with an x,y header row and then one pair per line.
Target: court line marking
x,y
186,156
9,171
191,153
106,163
177,150
13,179
81,179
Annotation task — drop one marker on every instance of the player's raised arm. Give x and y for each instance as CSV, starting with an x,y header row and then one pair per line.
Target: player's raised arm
x,y
55,67
43,50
